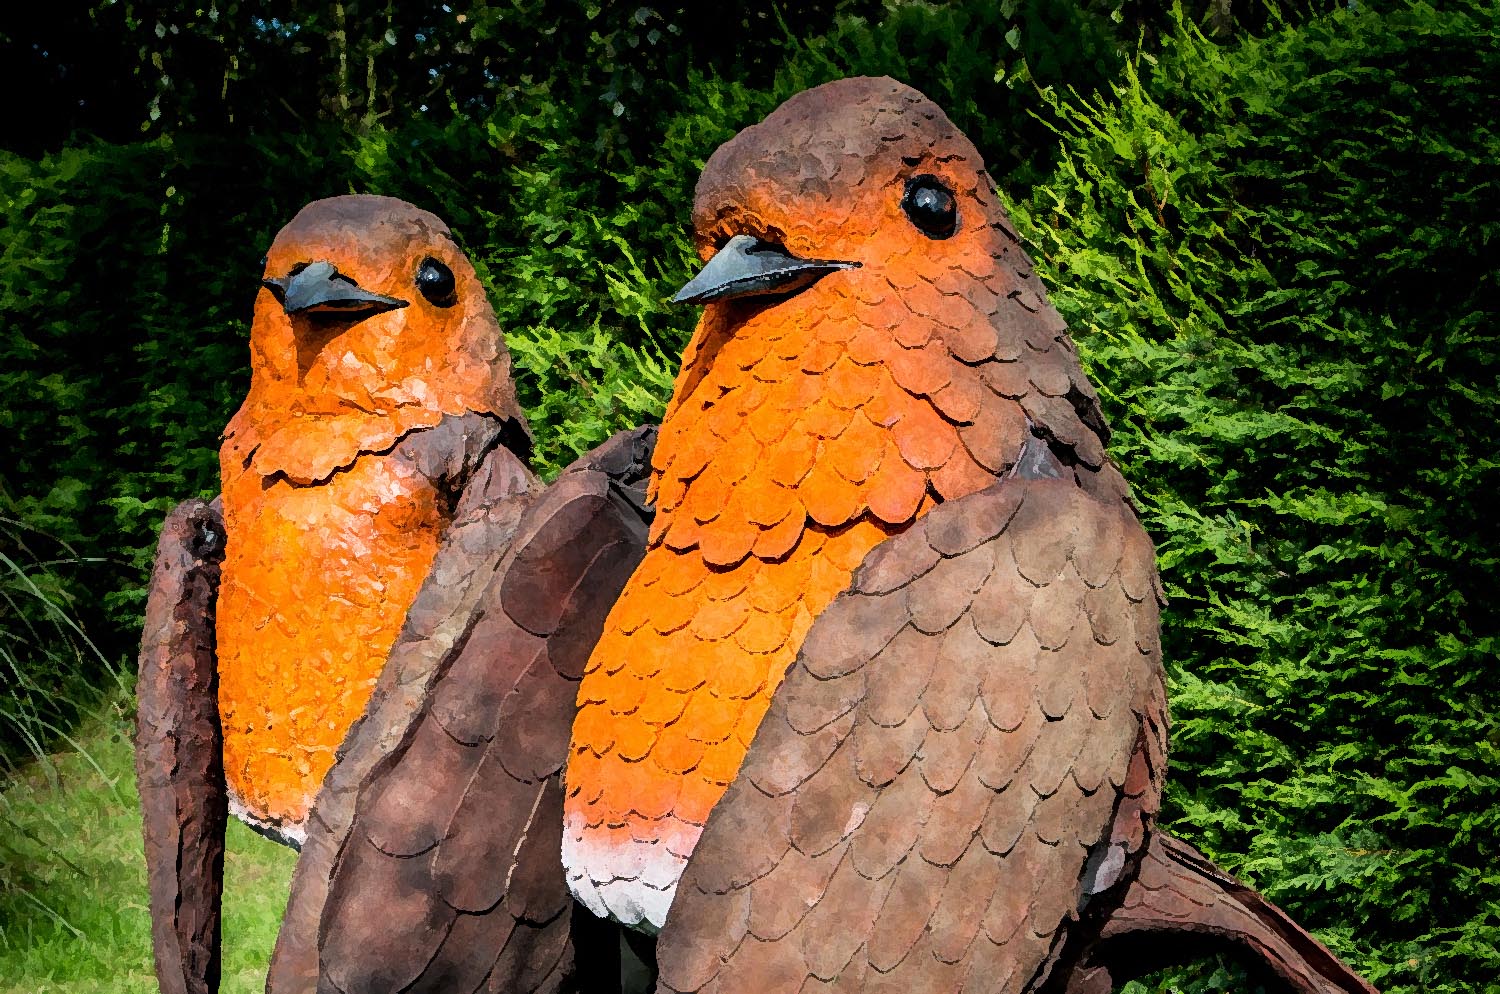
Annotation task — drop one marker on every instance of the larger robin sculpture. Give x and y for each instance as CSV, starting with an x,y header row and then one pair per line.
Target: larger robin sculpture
x,y
882,705
378,453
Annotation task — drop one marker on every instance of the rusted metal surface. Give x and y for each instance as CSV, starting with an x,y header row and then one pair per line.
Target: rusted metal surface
x,y
1181,907
449,875
179,757
963,757
332,522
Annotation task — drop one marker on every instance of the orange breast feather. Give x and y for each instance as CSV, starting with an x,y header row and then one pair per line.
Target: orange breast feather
x,y
316,583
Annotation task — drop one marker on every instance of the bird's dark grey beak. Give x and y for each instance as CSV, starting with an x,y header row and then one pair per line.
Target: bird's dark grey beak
x,y
747,267
319,288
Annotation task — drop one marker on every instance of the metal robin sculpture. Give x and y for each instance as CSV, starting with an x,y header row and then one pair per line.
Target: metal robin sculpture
x,y
380,389
886,684
883,706
373,330
880,707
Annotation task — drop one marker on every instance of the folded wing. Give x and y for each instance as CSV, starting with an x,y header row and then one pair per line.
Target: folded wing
x,y
966,756
448,874
179,756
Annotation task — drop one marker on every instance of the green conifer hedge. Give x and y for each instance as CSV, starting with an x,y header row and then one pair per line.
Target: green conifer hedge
x,y
1274,258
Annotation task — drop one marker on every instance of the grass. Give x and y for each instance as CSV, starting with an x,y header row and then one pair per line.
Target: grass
x,y
73,913
73,904
51,672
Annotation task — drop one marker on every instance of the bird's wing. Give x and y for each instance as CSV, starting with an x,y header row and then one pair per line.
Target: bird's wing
x,y
968,748
179,757
450,875
494,490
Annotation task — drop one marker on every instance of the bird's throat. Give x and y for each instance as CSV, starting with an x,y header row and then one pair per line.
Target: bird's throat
x,y
312,335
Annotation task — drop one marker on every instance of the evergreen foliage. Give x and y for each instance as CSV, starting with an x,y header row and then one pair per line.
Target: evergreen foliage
x,y
1274,258
1270,238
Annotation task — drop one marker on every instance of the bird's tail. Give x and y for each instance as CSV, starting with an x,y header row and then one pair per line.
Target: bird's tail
x,y
1181,907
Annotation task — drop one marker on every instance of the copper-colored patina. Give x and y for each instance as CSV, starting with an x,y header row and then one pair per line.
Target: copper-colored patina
x,y
331,528
380,398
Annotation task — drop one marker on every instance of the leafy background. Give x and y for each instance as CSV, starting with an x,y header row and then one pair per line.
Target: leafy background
x,y
1270,229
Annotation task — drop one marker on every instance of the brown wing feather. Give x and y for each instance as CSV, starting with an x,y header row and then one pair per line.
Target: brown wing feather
x,y
446,874
439,620
932,798
179,751
459,831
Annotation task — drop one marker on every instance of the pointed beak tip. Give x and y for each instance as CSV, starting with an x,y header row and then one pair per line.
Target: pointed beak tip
x,y
746,267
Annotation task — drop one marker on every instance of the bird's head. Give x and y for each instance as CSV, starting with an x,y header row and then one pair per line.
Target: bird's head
x,y
368,301
858,174
369,313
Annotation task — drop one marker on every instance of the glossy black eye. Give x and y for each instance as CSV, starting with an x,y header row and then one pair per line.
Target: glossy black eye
x,y
930,206
435,280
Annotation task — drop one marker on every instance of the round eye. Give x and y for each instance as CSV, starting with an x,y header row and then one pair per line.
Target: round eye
x,y
435,280
929,204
